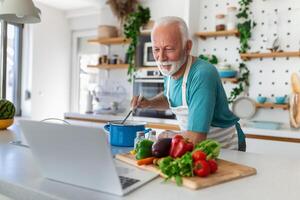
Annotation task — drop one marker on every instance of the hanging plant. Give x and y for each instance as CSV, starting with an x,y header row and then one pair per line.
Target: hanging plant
x,y
132,25
209,58
121,9
244,27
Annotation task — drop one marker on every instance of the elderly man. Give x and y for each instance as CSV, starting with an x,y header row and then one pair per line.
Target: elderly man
x,y
192,88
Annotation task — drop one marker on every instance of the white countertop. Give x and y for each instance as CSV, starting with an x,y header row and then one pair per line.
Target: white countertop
x,y
277,178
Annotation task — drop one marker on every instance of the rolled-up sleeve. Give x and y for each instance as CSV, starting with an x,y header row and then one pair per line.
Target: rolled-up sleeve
x,y
202,93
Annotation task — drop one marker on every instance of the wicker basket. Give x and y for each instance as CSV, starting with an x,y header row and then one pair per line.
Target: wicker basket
x,y
106,31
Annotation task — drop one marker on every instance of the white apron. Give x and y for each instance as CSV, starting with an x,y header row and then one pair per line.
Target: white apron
x,y
226,136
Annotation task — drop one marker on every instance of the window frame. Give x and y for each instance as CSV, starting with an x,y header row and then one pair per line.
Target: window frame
x,y
3,65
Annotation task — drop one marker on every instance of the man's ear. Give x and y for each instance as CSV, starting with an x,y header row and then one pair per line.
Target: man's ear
x,y
189,45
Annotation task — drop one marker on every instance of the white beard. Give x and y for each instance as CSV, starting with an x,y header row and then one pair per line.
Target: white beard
x,y
175,66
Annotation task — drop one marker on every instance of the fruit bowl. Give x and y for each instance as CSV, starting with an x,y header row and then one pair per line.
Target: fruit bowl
x,y
5,123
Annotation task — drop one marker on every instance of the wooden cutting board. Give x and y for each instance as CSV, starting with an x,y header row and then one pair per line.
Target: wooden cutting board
x,y
227,171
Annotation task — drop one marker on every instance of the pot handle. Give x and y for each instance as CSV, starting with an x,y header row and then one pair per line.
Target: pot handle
x,y
106,127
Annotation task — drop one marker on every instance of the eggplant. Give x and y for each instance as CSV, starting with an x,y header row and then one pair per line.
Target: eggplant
x,y
161,147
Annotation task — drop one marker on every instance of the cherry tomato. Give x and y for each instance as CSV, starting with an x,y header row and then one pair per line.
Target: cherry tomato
x,y
213,166
198,155
201,168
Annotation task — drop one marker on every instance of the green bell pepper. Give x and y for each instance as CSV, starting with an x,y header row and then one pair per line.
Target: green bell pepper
x,y
143,149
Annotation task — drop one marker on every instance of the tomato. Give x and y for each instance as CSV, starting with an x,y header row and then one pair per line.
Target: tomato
x,y
198,155
213,166
201,168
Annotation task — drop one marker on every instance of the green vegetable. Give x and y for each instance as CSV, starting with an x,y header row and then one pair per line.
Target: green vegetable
x,y
143,149
7,109
210,147
177,168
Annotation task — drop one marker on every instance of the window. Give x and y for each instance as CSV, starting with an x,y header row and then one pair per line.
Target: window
x,y
11,48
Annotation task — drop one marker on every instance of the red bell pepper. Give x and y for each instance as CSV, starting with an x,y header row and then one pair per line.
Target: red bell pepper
x,y
180,146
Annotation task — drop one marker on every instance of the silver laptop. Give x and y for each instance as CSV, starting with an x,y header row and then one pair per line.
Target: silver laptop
x,y
80,156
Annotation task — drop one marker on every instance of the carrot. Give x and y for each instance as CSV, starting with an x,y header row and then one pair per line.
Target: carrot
x,y
145,161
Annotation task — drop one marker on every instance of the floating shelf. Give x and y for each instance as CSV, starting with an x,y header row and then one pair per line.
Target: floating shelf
x,y
248,56
110,66
232,80
204,35
273,105
110,41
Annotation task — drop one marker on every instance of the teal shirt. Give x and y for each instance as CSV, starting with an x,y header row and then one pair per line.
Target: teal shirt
x,y
206,98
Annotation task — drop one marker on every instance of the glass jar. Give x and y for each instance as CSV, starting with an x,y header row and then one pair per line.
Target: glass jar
x,y
220,22
140,135
152,135
231,18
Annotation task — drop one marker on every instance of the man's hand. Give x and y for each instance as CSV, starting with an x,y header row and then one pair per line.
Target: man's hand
x,y
158,102
194,137
137,102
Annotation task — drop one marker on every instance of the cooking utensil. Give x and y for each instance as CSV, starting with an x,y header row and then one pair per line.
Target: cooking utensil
x,y
139,99
124,134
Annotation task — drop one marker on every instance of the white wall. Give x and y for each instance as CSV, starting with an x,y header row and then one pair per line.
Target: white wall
x,y
50,69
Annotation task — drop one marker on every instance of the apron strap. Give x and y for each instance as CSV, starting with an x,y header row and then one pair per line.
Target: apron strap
x,y
184,81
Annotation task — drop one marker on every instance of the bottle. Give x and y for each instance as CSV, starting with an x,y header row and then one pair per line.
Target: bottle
x,y
231,18
220,22
140,135
89,102
152,135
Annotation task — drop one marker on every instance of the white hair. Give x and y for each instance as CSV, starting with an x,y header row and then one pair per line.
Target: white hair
x,y
173,20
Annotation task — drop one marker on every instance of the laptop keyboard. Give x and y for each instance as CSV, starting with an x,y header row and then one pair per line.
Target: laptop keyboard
x,y
126,181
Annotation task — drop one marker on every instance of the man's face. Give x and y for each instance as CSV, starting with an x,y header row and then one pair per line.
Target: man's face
x,y
168,49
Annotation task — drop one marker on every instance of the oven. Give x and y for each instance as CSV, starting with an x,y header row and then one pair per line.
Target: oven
x,y
149,82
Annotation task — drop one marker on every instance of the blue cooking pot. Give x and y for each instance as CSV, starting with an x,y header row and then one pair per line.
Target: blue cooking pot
x,y
124,134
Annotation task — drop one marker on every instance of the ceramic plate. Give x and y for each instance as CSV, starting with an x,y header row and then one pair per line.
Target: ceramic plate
x,y
244,108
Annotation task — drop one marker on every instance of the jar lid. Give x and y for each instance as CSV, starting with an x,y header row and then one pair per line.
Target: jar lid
x,y
220,16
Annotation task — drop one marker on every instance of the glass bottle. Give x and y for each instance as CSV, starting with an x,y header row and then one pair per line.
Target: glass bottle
x,y
152,135
231,18
140,135
220,22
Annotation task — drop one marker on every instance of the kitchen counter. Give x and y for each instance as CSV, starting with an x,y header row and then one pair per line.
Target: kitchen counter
x,y
284,132
277,178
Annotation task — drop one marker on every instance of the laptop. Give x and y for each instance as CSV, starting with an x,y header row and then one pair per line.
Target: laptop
x,y
81,156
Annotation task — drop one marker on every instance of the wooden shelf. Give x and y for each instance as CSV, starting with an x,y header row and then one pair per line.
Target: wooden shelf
x,y
248,56
110,66
204,35
273,105
232,80
110,41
